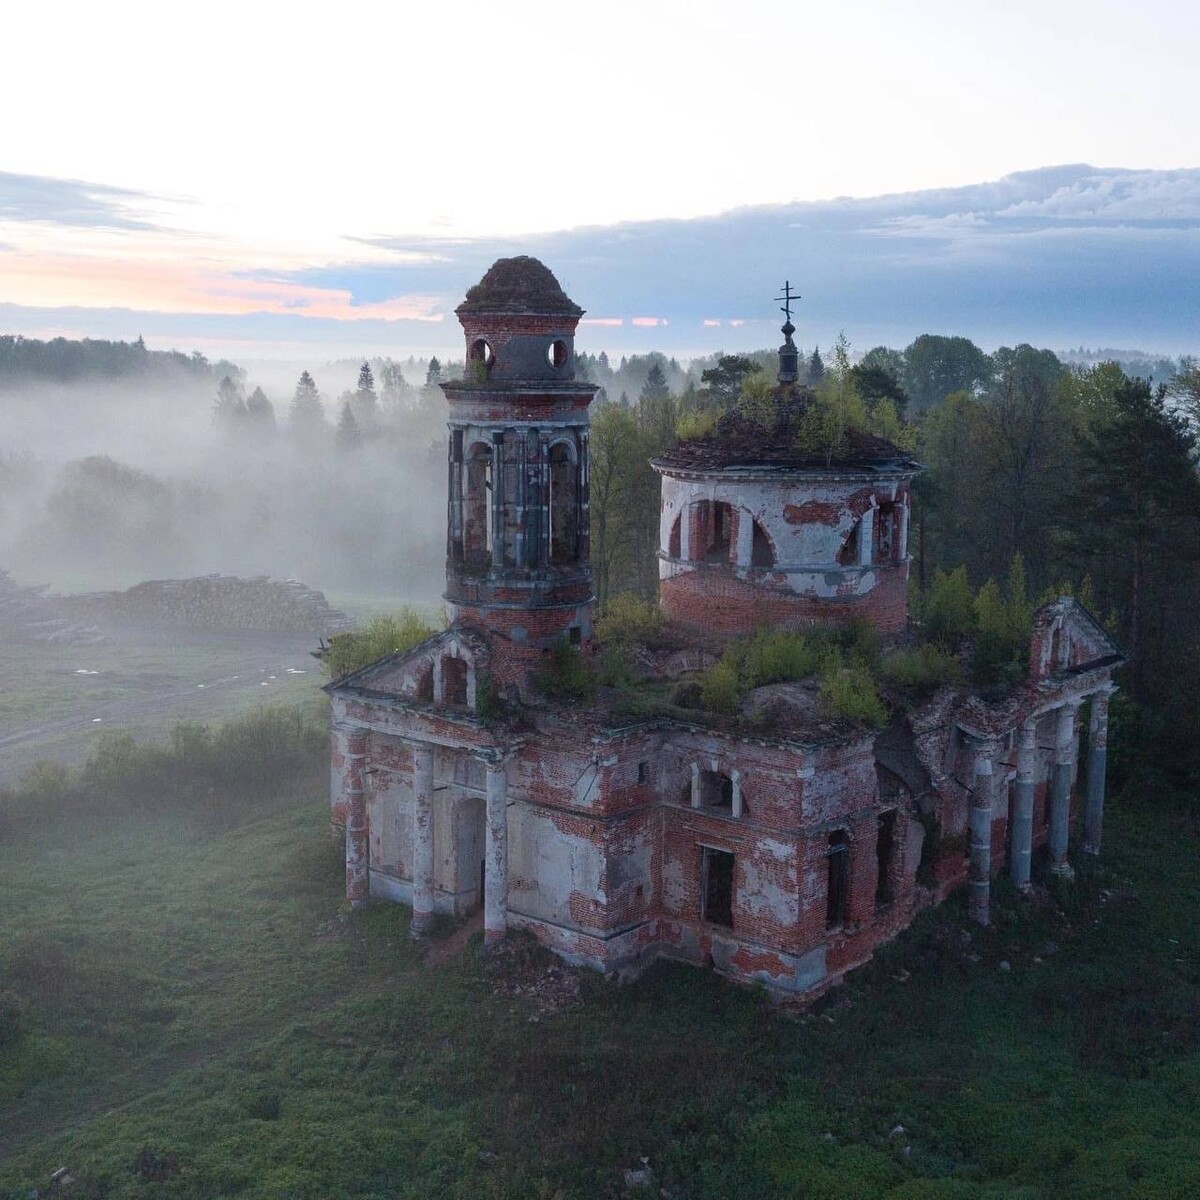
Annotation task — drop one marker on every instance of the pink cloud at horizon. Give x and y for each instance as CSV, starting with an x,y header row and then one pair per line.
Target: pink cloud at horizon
x,y
82,281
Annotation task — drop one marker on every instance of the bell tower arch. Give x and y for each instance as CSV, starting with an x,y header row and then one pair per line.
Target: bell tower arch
x,y
518,528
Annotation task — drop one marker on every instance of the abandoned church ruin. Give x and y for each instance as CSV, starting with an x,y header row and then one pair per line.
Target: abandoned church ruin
x,y
780,847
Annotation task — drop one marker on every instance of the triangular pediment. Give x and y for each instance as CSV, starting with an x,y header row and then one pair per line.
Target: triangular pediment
x,y
416,673
1068,639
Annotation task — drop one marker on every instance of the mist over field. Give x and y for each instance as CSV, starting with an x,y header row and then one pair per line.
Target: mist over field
x,y
107,482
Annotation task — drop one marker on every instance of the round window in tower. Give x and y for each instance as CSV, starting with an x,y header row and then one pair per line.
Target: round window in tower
x,y
557,353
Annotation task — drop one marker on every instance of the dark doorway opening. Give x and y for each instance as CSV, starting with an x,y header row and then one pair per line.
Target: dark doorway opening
x,y
716,886
885,851
838,858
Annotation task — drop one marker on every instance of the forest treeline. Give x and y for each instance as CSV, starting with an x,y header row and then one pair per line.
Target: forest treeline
x,y
1083,476
65,360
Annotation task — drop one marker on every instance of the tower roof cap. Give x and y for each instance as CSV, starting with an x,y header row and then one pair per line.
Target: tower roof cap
x,y
519,285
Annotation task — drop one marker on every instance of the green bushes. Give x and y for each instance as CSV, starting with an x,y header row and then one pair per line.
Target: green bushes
x,y
921,667
849,694
380,637
842,661
998,624
216,772
568,674
628,618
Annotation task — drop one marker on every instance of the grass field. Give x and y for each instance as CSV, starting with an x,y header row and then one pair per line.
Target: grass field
x,y
142,682
188,1012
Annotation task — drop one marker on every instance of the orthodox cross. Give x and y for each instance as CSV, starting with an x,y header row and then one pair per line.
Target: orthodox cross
x,y
787,299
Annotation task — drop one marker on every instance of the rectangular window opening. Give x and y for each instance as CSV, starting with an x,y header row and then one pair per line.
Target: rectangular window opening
x,y
643,772
885,850
838,858
716,886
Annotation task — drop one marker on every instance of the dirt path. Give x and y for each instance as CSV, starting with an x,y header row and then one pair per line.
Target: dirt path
x,y
443,951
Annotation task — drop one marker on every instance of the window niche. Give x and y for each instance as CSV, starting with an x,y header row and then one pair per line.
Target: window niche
x,y
454,682
477,505
716,886
837,856
564,499
885,853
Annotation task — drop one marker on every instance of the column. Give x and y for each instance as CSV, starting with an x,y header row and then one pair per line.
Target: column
x,y
685,531
497,498
1022,819
866,538
745,538
695,785
422,843
495,889
735,779
1060,789
902,540
980,888
1093,811
356,817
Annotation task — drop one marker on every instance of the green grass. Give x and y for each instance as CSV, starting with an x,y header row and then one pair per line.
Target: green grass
x,y
202,1020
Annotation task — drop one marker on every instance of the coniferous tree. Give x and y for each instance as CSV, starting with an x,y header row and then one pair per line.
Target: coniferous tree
x,y
306,413
229,411
816,368
365,403
260,413
349,436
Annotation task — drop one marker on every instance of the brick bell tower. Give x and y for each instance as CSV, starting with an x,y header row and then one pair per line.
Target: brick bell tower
x,y
517,546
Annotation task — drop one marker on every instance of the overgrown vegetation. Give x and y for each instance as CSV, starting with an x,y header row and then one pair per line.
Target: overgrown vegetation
x,y
842,662
998,625
381,636
568,674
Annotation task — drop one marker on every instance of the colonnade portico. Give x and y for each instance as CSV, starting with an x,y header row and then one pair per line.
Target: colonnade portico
x,y
1065,753
353,742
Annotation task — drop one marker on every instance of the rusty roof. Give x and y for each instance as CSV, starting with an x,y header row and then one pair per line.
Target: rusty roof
x,y
742,441
521,285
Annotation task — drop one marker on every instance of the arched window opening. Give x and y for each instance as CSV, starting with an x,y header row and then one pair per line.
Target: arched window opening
x,y
761,552
716,791
885,852
564,499
674,540
454,682
481,356
712,528
885,524
837,856
847,556
557,354
425,684
477,505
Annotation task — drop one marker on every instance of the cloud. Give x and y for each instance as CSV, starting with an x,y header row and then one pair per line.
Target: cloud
x,y
1056,256
71,202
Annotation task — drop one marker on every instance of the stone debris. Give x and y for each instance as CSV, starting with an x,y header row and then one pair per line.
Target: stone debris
x,y
545,987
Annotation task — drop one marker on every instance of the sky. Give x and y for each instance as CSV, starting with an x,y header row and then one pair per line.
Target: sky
x,y
265,178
